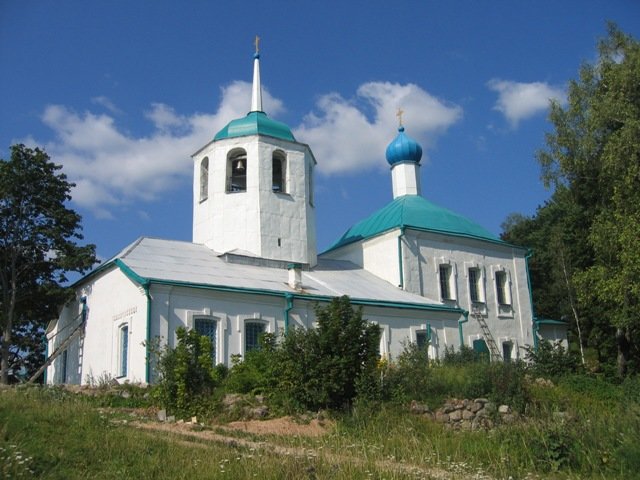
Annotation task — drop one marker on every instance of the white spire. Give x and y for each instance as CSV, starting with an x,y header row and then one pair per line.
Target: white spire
x,y
256,92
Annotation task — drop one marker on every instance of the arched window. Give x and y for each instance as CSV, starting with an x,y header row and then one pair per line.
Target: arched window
x,y
237,171
123,351
278,172
204,179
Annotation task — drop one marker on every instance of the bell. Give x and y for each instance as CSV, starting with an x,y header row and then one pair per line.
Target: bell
x,y
239,165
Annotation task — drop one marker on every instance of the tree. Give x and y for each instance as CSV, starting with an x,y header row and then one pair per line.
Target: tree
x,y
594,154
38,235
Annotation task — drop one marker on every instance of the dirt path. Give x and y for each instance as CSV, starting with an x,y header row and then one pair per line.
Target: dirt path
x,y
196,438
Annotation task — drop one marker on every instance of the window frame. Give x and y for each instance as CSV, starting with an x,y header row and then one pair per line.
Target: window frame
x,y
445,281
214,341
476,288
503,296
204,179
234,156
279,157
123,350
253,322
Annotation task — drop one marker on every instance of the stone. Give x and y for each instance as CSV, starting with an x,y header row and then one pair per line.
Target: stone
x,y
476,407
442,417
504,409
194,420
490,407
481,400
171,418
259,412
419,408
162,415
456,415
125,394
467,415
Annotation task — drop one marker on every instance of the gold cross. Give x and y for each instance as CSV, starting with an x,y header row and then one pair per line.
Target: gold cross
x,y
399,115
257,42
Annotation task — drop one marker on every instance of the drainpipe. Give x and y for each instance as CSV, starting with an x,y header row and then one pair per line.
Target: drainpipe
x,y
289,299
400,269
465,313
147,373
536,325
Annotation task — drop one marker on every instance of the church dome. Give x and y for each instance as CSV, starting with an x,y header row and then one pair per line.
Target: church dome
x,y
403,148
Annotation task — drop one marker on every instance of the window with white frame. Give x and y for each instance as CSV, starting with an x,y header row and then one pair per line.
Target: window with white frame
x,y
123,351
63,369
237,171
475,285
204,179
502,288
252,333
279,172
445,274
208,327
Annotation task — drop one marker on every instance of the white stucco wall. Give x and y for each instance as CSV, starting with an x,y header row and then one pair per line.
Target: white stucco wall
x,y
272,225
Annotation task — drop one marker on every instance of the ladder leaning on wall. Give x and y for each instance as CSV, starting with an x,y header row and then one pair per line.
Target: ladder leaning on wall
x,y
77,331
486,333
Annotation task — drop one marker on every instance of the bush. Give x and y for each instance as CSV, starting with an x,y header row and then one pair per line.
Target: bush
x,y
187,374
328,366
551,360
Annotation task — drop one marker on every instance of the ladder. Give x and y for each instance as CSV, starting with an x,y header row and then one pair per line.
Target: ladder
x,y
486,333
61,348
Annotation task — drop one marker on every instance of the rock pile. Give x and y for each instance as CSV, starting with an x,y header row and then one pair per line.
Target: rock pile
x,y
478,414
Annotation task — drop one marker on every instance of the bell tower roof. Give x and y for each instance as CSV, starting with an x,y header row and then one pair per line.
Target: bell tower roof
x,y
256,122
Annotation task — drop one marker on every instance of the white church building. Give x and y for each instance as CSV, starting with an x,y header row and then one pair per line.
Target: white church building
x,y
421,272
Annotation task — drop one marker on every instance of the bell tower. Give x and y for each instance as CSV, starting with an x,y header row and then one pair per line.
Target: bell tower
x,y
253,188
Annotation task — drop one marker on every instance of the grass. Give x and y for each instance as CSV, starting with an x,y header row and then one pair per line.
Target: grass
x,y
580,428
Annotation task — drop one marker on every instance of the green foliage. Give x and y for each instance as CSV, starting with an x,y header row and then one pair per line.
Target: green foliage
x,y
322,367
38,235
187,375
551,360
586,239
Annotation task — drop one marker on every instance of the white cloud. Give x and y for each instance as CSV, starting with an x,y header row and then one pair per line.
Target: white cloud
x,y
113,168
519,101
344,139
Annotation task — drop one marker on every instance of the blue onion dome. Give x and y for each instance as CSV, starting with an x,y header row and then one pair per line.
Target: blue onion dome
x,y
403,148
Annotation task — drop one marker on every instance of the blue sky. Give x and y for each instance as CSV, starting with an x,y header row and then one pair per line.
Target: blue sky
x,y
121,93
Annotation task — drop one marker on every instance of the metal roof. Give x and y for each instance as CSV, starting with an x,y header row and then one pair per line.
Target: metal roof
x,y
152,260
255,123
414,211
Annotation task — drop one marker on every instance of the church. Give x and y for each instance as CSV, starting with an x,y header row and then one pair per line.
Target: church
x,y
424,274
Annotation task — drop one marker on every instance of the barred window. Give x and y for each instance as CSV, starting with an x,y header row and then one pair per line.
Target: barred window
x,y
474,285
208,328
252,333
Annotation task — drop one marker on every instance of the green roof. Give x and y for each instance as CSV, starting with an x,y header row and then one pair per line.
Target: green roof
x,y
255,123
414,211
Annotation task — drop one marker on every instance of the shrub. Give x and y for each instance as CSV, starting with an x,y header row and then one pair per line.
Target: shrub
x,y
551,360
328,366
187,374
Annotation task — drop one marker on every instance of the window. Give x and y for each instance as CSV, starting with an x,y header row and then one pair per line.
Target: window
x,y
445,282
63,373
310,185
208,328
422,340
237,171
278,172
502,286
474,285
507,348
252,332
124,350
204,179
